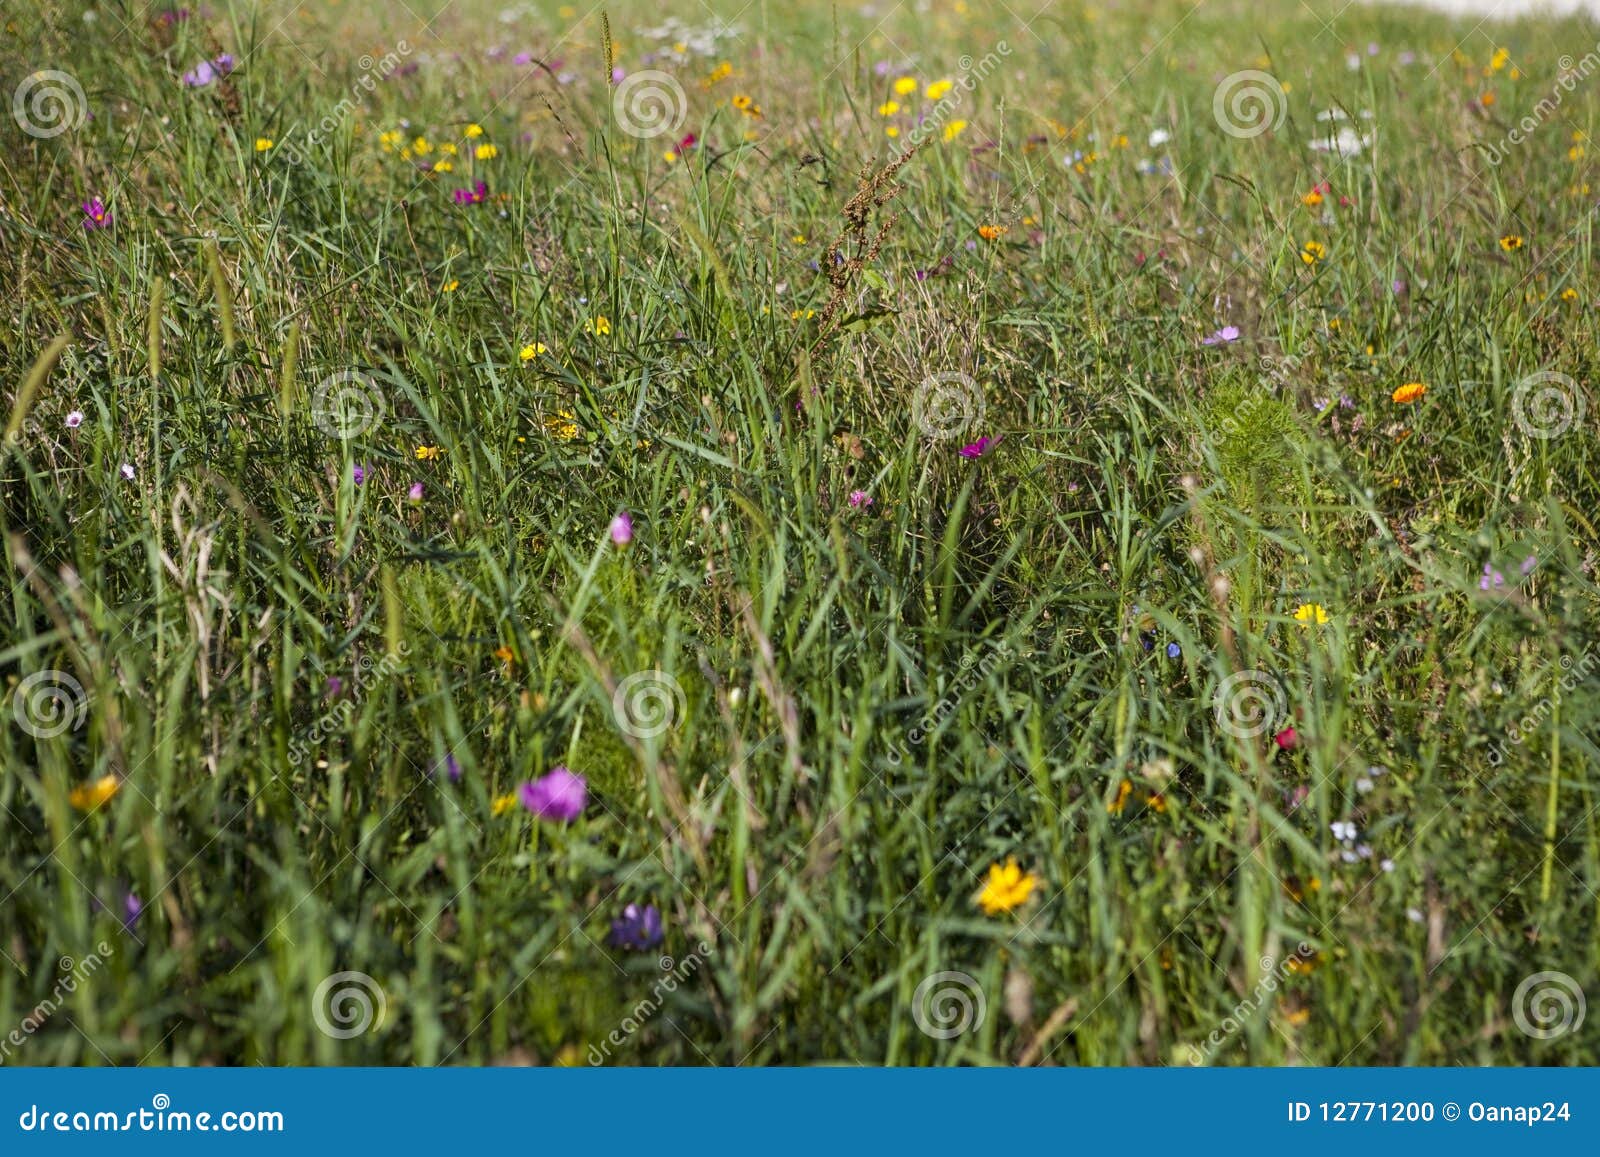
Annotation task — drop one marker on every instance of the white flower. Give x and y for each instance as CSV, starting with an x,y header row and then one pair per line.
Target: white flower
x,y
1159,137
1344,831
74,419
127,471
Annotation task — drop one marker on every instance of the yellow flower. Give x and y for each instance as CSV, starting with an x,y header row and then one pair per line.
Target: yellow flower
x,y
905,86
1499,59
444,166
263,144
1120,801
892,131
1307,613
741,101
1408,393
448,148
505,655
452,285
389,140
1511,242
937,89
486,152
1312,252
532,350
954,129
562,426
888,108
991,232
598,326
669,156
91,795
1006,888
1312,198
421,147
428,453
502,804
1569,294
474,130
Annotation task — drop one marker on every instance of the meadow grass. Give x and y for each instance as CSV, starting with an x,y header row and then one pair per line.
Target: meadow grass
x,y
842,668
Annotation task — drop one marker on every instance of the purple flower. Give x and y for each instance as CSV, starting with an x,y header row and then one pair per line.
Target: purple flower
x,y
415,493
616,75
637,928
132,906
560,795
859,498
75,419
979,448
452,768
224,64
1222,336
622,528
1529,563
522,58
476,195
95,214
1173,650
335,685
1491,578
358,474
200,75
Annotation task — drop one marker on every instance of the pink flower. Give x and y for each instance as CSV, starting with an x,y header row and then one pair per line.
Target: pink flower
x,y
1222,336
1286,739
622,528
95,214
860,498
476,195
979,448
75,419
415,493
560,795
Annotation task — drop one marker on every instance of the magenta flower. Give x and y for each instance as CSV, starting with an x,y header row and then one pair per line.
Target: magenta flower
x,y
979,448
1222,336
95,214
75,419
559,796
859,498
622,528
358,474
477,195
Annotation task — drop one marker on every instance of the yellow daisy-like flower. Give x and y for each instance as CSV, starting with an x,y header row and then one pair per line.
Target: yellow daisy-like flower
x,y
1500,58
905,86
532,350
444,166
1006,887
474,130
892,131
502,804
597,326
389,140
91,795
937,89
1511,242
263,144
428,453
562,426
1312,252
1408,393
448,148
421,147
1120,800
486,152
452,285
1308,613
954,129
1569,294
888,108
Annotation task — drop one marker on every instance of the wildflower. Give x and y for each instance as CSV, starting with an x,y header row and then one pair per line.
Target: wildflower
x,y
888,108
597,326
860,498
358,474
443,166
74,419
421,146
637,928
200,75
502,804
428,453
476,195
92,795
1499,59
1344,831
954,129
1287,739
1006,888
937,89
1569,294
905,86
415,493
126,470
389,140
474,130
1173,650
979,448
95,214
1511,242
486,152
132,906
1312,252
1308,613
561,426
1491,579
452,285
532,350
1408,393
1120,800
559,795
992,232
1313,198
1528,564
622,528
506,655
263,144
1222,336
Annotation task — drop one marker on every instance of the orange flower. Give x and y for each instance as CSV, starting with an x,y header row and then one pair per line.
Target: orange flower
x,y
1408,393
991,232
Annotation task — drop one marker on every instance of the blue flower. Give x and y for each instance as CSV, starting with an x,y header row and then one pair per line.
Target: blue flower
x,y
637,928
